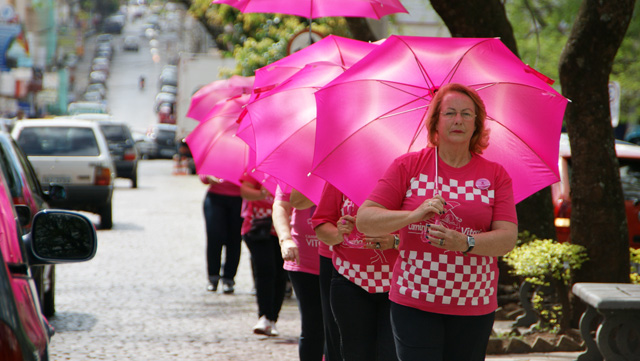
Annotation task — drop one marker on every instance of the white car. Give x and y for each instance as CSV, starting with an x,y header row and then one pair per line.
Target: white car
x,y
73,153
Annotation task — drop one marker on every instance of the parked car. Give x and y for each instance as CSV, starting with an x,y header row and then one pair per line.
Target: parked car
x,y
146,146
25,190
75,154
166,113
131,43
164,98
82,107
629,159
164,138
121,145
56,237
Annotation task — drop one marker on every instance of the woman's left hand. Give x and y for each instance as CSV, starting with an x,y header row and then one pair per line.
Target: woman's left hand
x,y
445,238
379,243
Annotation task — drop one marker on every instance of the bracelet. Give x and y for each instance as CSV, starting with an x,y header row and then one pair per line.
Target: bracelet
x,y
396,241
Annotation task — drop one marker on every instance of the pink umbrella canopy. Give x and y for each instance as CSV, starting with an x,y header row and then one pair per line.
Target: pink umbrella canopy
x,y
374,112
335,49
284,120
206,97
216,149
312,9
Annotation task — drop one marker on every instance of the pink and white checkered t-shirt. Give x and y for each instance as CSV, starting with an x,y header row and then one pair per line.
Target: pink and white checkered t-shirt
x,y
477,194
368,268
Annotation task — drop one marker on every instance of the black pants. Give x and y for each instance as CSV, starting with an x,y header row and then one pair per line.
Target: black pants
x,y
427,336
270,277
307,289
331,331
223,223
364,321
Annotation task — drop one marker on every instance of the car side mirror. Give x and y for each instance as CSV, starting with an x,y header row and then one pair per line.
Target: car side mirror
x,y
59,236
56,192
24,214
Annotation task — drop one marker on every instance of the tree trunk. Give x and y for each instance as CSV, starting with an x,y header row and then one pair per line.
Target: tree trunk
x,y
598,219
479,19
487,18
360,29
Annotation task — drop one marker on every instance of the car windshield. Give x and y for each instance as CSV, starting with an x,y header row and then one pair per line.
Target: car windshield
x,y
58,141
166,135
630,178
114,133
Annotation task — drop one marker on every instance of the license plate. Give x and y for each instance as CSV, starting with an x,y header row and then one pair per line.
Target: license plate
x,y
56,179
167,152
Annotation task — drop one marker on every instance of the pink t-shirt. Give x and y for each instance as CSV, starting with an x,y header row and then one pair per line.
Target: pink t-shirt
x,y
224,188
368,268
304,237
255,209
477,194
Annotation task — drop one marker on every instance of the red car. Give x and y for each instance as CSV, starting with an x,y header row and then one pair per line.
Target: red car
x,y
629,160
55,237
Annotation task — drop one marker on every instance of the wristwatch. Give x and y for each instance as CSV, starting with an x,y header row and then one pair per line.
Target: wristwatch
x,y
471,242
396,241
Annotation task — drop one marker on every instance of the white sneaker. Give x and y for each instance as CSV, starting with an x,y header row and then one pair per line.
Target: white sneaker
x,y
263,327
274,332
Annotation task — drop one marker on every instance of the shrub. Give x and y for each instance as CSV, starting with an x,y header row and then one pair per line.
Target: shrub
x,y
548,265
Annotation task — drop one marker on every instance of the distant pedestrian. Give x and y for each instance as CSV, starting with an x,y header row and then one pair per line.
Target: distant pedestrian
x,y
222,206
266,258
299,247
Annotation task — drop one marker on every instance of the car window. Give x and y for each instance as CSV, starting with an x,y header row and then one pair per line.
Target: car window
x,y
29,172
115,133
58,141
9,172
166,135
630,178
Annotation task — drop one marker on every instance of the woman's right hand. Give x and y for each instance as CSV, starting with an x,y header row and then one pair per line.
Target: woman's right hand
x,y
289,250
428,209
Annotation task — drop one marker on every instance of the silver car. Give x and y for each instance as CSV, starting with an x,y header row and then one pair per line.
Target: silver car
x,y
73,153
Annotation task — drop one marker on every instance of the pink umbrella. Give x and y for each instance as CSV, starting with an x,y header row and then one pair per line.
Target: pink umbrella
x,y
374,112
216,149
312,9
206,97
284,121
335,49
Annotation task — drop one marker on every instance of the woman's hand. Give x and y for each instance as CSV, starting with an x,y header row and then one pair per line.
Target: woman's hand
x,y
290,251
346,225
379,242
429,208
445,238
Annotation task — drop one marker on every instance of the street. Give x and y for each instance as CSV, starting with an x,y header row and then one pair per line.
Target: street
x,y
144,297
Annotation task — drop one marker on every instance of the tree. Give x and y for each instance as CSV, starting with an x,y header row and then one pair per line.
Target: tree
x,y
598,220
488,18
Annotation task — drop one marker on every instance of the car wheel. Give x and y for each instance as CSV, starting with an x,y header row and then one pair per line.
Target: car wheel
x,y
49,299
106,221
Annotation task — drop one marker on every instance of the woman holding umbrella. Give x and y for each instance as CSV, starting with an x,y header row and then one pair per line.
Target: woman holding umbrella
x,y
455,213
262,241
299,246
361,280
